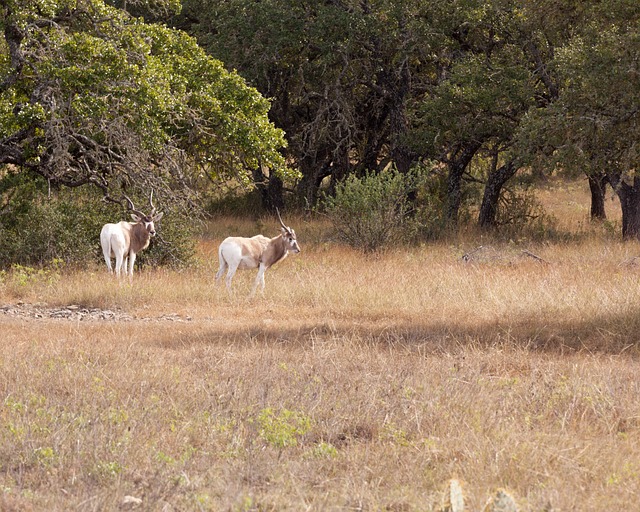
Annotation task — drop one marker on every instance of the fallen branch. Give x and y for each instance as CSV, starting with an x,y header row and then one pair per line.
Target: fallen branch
x,y
537,258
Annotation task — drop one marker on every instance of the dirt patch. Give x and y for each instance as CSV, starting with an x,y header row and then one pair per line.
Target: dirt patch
x,y
80,313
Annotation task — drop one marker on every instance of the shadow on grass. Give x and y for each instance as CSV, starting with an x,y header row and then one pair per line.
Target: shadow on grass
x,y
612,334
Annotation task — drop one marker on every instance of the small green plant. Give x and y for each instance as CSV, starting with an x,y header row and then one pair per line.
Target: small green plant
x,y
46,456
109,469
395,435
160,456
117,416
22,276
325,451
203,501
245,505
282,430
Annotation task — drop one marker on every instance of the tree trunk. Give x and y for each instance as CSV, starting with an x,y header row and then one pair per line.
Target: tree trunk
x,y
454,192
313,172
630,204
492,190
401,155
273,197
629,195
341,168
457,165
270,189
597,185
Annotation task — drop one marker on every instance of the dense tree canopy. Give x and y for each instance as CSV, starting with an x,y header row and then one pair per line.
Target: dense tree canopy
x,y
593,126
338,73
358,84
91,95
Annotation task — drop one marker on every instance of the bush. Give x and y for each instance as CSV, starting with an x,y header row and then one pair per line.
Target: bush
x,y
175,242
375,210
431,203
37,228
520,215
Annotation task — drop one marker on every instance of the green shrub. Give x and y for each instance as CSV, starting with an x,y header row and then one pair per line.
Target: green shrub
x,y
431,202
175,242
375,210
282,429
37,228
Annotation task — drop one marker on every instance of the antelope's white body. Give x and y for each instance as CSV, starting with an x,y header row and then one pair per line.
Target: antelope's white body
x,y
256,252
124,240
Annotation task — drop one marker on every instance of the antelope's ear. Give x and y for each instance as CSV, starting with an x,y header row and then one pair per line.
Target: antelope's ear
x,y
135,217
157,216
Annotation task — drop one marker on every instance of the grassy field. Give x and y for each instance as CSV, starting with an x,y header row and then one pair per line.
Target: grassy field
x,y
354,383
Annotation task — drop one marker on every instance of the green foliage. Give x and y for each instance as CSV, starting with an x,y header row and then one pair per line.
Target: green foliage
x,y
431,203
234,203
174,243
100,97
372,212
469,107
282,429
336,72
46,456
36,229
106,98
593,126
324,450
108,469
21,276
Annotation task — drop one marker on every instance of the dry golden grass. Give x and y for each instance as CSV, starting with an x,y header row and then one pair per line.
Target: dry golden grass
x,y
569,203
354,383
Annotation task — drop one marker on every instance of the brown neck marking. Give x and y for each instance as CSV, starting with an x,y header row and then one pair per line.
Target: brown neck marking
x,y
139,237
275,251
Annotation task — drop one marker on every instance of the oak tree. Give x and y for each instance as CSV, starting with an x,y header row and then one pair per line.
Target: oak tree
x,y
90,95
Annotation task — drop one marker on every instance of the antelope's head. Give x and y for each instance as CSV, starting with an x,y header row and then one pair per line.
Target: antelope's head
x,y
288,235
147,221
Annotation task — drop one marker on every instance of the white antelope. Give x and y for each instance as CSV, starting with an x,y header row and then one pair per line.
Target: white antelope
x,y
260,252
124,240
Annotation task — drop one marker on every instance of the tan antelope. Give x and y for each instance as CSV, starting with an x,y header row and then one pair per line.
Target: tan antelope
x,y
124,240
260,252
